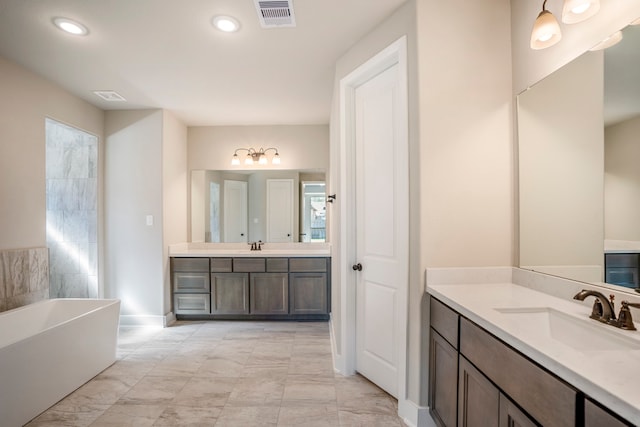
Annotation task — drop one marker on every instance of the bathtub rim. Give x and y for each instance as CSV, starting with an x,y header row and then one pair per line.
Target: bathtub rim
x,y
108,302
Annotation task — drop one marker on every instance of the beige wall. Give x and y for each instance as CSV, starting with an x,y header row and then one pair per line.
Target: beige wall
x,y
26,100
300,146
133,190
622,181
174,192
561,147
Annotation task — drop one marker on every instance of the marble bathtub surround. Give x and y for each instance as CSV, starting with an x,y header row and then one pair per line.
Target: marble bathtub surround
x,y
24,277
71,188
220,373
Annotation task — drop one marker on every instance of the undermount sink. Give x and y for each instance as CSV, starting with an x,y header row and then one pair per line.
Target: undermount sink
x,y
584,335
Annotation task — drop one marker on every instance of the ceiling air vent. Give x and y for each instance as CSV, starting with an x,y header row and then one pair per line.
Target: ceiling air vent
x,y
109,95
275,14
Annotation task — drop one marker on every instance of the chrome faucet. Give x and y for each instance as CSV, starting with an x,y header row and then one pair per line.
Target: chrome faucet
x,y
603,310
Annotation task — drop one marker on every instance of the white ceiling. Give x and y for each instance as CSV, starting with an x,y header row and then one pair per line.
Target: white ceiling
x,y
165,54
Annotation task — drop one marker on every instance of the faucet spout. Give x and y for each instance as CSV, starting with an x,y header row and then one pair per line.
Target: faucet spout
x,y
603,310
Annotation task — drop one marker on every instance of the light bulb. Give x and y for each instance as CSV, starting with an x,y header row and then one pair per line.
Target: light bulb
x,y
263,160
276,159
235,160
248,160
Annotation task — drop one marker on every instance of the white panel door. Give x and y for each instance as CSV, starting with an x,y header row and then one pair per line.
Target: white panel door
x,y
235,211
381,228
280,210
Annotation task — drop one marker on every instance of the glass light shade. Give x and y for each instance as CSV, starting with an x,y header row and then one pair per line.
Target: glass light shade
x,y
609,41
546,31
575,11
235,160
263,160
276,159
248,160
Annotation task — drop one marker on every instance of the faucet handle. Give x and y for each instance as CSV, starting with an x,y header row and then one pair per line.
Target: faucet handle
x,y
625,321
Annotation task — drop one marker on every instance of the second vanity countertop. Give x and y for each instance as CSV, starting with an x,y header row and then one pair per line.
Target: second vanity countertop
x,y
607,373
238,250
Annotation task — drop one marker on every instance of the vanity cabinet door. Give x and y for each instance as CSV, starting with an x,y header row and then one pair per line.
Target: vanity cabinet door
x,y
443,380
512,416
308,293
269,293
229,293
478,398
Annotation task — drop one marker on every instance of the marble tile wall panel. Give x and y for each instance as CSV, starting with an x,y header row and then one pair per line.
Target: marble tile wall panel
x,y
24,277
72,203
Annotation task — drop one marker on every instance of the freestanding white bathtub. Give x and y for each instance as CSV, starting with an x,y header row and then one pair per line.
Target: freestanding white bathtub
x,y
50,348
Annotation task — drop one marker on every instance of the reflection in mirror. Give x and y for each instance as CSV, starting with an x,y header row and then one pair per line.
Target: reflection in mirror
x,y
579,180
267,205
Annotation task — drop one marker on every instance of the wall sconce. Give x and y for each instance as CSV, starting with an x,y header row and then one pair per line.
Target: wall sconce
x,y
546,30
575,11
255,156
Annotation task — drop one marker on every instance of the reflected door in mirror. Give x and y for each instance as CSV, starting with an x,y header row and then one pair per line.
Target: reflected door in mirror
x,y
235,211
280,212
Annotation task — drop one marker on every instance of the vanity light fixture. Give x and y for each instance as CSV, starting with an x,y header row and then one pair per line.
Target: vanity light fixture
x,y
227,24
608,42
253,156
575,11
70,26
546,30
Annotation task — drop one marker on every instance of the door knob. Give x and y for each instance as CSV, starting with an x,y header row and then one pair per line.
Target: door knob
x,y
357,267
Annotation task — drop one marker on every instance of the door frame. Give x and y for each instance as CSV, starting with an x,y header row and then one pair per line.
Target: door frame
x,y
395,53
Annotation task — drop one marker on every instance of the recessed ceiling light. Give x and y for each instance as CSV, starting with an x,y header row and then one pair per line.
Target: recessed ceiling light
x,y
70,26
228,24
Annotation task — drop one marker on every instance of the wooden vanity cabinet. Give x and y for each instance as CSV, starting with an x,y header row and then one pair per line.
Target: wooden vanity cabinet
x,y
251,288
495,385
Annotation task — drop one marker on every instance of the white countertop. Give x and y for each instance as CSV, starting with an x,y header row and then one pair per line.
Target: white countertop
x,y
609,376
621,247
238,250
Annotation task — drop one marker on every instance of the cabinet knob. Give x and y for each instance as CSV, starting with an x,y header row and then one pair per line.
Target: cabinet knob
x,y
357,267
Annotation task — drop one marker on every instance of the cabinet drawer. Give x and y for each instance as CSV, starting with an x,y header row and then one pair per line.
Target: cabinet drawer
x,y
190,282
249,265
190,264
312,265
595,416
191,303
277,265
547,399
221,265
445,321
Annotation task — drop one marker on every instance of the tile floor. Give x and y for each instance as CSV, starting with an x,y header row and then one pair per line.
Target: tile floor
x,y
224,374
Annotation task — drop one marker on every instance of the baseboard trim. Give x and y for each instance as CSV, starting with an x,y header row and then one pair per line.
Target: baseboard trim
x,y
169,319
143,320
414,415
336,358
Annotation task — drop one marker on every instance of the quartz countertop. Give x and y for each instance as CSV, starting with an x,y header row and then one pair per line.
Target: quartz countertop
x,y
238,250
607,374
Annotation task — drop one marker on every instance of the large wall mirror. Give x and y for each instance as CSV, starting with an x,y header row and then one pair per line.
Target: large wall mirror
x,y
276,206
579,168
